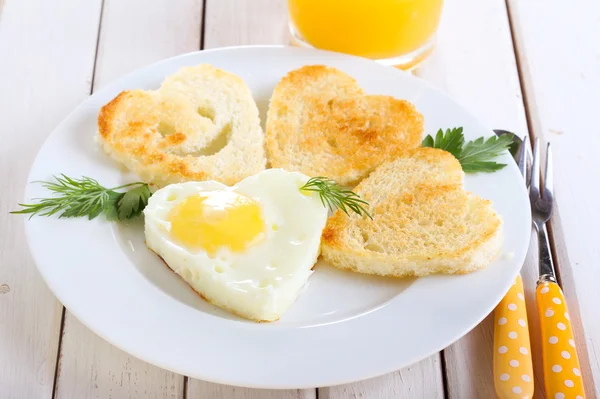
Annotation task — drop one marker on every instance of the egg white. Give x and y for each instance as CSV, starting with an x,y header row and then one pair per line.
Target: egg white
x,y
265,280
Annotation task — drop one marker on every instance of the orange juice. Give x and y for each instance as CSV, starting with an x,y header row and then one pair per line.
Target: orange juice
x,y
377,29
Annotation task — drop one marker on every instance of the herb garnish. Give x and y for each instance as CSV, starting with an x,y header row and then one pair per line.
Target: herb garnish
x,y
86,197
333,196
474,156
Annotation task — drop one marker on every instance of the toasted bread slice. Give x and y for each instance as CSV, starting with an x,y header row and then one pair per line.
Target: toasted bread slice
x,y
423,221
321,123
201,124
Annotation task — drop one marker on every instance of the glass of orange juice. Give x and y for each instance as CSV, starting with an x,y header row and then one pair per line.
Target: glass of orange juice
x,y
394,32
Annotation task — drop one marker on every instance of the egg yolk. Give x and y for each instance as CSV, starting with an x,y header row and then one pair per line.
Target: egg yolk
x,y
217,219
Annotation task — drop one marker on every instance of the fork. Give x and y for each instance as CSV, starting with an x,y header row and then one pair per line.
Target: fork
x,y
562,374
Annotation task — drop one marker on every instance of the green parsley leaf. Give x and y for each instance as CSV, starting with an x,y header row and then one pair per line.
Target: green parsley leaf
x,y
474,156
111,212
133,202
450,141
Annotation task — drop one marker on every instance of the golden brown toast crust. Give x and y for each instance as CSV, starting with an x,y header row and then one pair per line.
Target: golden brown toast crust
x,y
321,123
141,149
201,124
423,221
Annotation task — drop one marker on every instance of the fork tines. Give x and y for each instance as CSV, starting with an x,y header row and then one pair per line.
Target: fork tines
x,y
541,198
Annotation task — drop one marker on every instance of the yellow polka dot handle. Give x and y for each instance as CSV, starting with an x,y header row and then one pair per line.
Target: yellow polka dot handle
x,y
513,370
562,374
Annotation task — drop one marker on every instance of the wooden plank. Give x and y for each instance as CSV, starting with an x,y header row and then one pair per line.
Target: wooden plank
x,y
136,33
475,63
243,22
420,381
90,367
559,58
45,70
132,34
204,390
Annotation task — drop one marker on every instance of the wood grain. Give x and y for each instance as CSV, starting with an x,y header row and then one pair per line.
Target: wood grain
x,y
559,56
422,380
133,34
475,63
92,368
46,62
235,23
136,33
204,390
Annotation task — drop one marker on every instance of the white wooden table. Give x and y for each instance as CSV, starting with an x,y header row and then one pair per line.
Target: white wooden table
x,y
529,66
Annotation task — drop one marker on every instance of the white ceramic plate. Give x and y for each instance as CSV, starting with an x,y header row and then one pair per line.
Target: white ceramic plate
x,y
344,327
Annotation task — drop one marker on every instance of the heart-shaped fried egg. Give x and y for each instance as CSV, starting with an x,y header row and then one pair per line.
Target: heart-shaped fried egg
x,y
248,248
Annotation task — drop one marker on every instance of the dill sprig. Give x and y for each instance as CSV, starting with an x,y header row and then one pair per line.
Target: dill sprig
x,y
333,196
86,197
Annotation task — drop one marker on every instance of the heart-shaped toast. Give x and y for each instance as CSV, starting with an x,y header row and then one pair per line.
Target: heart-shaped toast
x,y
201,124
321,123
424,221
